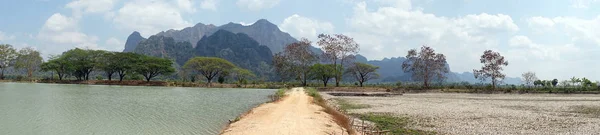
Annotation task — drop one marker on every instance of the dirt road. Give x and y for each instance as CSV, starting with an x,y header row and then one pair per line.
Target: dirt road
x,y
293,115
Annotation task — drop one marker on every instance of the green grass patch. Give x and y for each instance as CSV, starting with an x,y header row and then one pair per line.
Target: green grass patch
x,y
278,95
589,110
346,105
396,125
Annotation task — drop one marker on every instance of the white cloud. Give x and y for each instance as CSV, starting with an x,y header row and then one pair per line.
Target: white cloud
x,y
303,27
114,44
6,37
584,4
150,17
80,7
186,5
209,5
391,31
256,5
581,31
60,30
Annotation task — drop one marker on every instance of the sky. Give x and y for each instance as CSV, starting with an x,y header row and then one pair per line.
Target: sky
x,y
553,38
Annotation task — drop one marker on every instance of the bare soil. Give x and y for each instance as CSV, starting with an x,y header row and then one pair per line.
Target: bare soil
x,y
295,114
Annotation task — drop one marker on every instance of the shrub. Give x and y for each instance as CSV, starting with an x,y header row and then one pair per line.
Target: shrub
x,y
99,77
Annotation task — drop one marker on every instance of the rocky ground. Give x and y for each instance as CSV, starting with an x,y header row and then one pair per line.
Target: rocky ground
x,y
491,113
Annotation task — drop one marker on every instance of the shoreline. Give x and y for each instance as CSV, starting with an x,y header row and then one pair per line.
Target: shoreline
x,y
152,84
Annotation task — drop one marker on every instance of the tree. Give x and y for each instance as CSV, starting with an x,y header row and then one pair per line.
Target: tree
x,y
28,59
537,82
107,63
425,65
7,55
528,78
323,72
126,63
299,58
209,67
575,80
338,47
242,75
492,67
83,62
150,67
554,82
58,65
363,72
586,82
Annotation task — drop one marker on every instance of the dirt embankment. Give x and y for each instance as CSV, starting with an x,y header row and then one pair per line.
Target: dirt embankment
x,y
293,115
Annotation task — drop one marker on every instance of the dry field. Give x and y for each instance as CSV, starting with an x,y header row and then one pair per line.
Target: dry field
x,y
491,113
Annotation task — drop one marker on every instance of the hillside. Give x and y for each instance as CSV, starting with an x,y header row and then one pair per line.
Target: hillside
x,y
132,41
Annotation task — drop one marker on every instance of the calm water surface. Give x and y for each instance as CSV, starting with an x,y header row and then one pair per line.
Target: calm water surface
x,y
52,109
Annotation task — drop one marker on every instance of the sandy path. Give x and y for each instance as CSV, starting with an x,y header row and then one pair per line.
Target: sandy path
x,y
293,115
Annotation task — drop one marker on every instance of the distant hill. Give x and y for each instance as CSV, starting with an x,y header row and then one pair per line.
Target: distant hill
x,y
132,41
239,48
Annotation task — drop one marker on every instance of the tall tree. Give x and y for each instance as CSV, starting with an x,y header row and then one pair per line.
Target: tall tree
x,y
209,67
28,59
575,80
363,72
323,72
528,78
58,65
340,48
7,55
425,65
492,67
299,58
107,63
150,67
83,62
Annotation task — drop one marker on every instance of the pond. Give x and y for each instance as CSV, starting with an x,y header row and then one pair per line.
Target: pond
x,y
57,109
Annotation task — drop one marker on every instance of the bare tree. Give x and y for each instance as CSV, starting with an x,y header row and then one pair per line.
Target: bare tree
x,y
492,67
297,58
363,72
425,65
340,48
529,77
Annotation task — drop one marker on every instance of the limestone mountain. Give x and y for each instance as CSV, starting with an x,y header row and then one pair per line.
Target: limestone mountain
x,y
190,34
166,47
132,41
238,48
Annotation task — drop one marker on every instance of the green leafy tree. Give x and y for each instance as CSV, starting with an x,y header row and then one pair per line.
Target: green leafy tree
x,y
323,72
59,65
28,59
209,67
363,72
107,63
575,80
126,63
7,55
537,82
83,62
150,67
242,75
586,82
554,82
298,58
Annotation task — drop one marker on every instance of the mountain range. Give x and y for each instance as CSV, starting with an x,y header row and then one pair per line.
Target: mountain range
x,y
252,47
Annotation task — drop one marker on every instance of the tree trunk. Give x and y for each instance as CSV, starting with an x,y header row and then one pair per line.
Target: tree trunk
x,y
361,83
324,83
109,75
2,74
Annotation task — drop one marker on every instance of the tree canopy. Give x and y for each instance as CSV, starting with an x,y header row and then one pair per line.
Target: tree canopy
x,y
209,67
363,72
492,67
425,65
7,55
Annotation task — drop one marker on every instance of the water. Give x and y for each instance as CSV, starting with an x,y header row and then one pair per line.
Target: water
x,y
53,109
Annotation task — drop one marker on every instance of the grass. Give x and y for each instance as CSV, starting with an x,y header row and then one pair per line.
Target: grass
x,y
278,95
345,105
589,110
396,125
339,118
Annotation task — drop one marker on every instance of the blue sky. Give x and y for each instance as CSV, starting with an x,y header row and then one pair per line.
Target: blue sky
x,y
554,38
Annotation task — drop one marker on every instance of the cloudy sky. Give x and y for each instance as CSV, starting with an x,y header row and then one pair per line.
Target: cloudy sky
x,y
554,38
